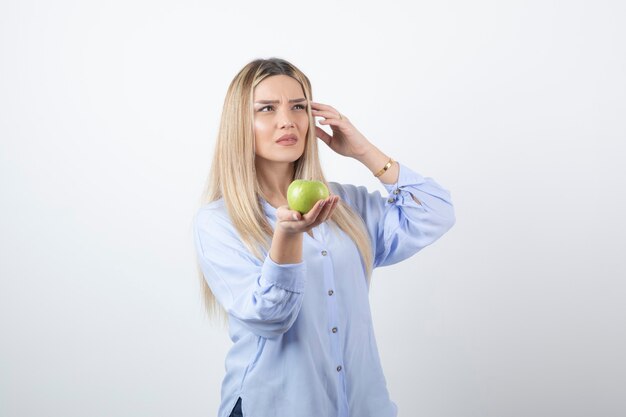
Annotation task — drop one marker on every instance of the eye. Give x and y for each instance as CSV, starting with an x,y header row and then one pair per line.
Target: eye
x,y
266,107
301,106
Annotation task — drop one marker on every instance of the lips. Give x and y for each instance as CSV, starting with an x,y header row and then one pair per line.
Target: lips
x,y
286,139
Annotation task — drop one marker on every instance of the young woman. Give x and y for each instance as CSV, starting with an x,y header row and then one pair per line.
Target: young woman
x,y
295,287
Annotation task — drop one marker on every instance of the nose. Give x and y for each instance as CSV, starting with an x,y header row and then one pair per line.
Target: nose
x,y
284,116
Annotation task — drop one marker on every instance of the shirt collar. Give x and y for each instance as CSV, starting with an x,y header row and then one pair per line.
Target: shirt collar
x,y
267,207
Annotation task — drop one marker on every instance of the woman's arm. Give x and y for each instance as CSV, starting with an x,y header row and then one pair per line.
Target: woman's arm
x,y
264,296
399,226
374,159
261,295
417,210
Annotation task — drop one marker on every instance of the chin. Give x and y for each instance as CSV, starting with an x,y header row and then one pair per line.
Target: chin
x,y
292,154
285,158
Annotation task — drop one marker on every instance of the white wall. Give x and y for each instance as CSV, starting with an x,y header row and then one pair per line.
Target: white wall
x,y
108,113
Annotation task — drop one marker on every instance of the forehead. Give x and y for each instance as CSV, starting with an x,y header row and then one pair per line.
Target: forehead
x,y
277,86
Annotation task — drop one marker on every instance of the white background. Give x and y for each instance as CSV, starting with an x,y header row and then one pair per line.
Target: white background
x,y
108,115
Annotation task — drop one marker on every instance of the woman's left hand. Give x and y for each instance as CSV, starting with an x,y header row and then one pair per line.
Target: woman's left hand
x,y
346,140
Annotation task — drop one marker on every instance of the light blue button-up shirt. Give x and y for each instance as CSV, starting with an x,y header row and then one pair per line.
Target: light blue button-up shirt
x,y
303,340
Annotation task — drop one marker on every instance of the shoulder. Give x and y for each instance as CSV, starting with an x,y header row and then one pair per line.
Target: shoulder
x,y
215,205
213,215
342,190
350,193
216,235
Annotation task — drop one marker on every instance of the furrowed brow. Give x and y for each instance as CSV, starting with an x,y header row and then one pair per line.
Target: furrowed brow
x,y
293,100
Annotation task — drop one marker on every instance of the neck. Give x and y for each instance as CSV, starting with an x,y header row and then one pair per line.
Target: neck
x,y
274,178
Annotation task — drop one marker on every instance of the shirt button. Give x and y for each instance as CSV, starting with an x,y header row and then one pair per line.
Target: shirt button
x,y
396,191
334,330
324,253
331,292
391,200
339,368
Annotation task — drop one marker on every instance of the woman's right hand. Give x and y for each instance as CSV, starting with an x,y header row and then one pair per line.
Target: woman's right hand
x,y
293,222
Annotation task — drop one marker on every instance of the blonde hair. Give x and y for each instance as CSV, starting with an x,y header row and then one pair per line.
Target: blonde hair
x,y
233,173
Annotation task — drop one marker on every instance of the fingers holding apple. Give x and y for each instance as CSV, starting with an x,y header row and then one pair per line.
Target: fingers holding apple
x,y
288,214
309,204
330,204
293,221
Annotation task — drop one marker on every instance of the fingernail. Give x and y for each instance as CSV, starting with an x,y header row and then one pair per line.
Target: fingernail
x,y
295,216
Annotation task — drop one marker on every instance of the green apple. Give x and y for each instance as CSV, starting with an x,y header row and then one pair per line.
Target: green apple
x,y
303,194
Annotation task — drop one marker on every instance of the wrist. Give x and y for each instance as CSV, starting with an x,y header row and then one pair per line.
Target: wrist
x,y
286,234
374,159
366,154
380,164
286,246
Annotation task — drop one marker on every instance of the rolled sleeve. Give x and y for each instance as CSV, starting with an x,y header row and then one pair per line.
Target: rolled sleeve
x,y
290,277
431,196
398,225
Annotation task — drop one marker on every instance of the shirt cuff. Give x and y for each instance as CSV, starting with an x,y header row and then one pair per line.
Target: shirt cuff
x,y
290,277
397,192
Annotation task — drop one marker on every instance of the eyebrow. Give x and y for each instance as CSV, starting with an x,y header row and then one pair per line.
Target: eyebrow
x,y
293,100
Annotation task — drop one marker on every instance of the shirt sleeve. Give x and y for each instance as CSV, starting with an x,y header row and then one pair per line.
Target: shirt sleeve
x,y
265,297
398,225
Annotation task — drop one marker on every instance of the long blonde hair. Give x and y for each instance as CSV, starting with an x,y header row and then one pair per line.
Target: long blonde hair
x,y
233,173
